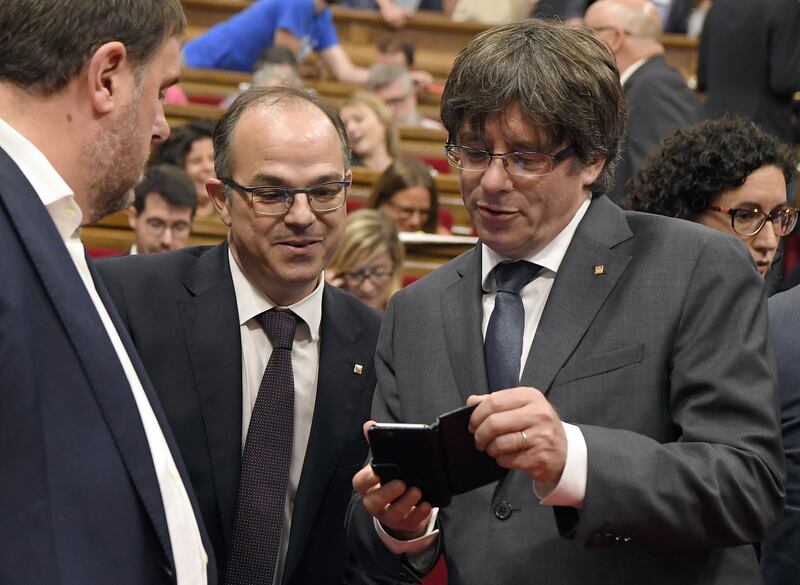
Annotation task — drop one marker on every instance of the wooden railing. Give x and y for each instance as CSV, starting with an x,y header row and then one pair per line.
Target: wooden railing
x,y
414,141
219,84
424,252
436,38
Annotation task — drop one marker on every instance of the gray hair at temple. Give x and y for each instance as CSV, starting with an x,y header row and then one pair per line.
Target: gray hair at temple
x,y
268,97
44,44
564,79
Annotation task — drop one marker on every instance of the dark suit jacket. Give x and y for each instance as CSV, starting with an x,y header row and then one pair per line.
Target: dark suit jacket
x,y
749,61
659,103
80,498
780,551
181,311
664,363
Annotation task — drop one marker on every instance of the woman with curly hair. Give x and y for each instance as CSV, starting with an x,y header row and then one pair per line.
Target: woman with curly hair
x,y
726,174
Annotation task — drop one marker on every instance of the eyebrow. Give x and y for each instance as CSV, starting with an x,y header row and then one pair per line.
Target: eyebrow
x,y
275,181
170,82
753,205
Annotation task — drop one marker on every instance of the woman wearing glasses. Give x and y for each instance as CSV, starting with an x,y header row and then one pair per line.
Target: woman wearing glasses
x,y
726,174
407,192
369,261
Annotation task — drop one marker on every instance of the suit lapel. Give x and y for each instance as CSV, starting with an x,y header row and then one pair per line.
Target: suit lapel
x,y
92,346
462,310
211,328
578,292
339,391
155,404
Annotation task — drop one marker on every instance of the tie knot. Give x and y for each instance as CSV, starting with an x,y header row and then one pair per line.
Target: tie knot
x,y
510,277
280,326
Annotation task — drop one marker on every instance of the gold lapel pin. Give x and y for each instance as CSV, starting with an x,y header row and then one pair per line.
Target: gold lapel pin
x,y
358,369
599,269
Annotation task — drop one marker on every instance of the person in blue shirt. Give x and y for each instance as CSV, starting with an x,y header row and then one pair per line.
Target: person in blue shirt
x,y
302,26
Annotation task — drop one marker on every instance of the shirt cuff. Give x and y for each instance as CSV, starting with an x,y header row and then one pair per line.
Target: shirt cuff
x,y
415,545
570,490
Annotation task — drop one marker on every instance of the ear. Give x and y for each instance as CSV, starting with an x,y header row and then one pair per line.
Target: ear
x,y
109,76
133,217
592,170
216,192
615,40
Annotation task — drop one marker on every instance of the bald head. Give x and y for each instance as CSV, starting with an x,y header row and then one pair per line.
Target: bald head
x,y
637,18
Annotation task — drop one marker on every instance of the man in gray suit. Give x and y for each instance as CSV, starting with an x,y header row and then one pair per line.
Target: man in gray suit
x,y
659,101
641,438
780,550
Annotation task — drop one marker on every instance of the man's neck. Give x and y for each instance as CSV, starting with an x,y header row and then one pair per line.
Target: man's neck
x,y
52,126
625,59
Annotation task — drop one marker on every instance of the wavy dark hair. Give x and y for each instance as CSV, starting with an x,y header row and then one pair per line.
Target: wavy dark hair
x,y
696,165
564,79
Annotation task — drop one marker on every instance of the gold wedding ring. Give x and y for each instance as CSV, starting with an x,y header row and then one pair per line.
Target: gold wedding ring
x,y
524,440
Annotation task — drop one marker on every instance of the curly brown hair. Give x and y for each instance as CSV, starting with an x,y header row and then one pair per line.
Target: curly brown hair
x,y
696,165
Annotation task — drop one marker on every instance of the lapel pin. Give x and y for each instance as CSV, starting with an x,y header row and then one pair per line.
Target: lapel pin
x,y
358,369
599,269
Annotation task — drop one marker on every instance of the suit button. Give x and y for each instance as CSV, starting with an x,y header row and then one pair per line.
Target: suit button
x,y
503,511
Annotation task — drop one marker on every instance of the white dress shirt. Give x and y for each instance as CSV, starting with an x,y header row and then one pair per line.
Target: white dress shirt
x,y
58,198
256,349
571,487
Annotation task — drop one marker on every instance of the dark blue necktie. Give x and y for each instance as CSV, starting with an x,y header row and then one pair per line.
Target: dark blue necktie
x,y
267,454
502,349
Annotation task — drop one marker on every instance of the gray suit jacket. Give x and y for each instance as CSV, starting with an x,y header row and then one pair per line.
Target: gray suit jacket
x,y
780,551
665,364
659,103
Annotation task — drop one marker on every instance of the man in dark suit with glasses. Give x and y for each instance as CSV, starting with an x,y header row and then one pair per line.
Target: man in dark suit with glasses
x,y
265,372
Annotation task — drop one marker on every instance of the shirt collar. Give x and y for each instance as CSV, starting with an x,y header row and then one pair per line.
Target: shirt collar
x,y
251,302
549,257
43,177
628,73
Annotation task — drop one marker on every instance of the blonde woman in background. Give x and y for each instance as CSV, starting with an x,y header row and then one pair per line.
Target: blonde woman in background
x,y
369,262
373,136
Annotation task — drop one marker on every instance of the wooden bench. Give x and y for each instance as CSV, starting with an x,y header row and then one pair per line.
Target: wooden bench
x,y
424,252
414,141
217,84
436,38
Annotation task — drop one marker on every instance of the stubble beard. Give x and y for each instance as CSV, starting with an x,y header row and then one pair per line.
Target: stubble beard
x,y
115,164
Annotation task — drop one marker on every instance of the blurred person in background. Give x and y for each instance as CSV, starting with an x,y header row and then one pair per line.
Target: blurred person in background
x,y
407,192
191,148
659,101
369,261
302,26
395,86
726,174
163,208
371,130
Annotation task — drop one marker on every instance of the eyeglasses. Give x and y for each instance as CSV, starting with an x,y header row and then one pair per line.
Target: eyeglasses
x,y
378,277
408,212
157,227
748,222
268,200
523,164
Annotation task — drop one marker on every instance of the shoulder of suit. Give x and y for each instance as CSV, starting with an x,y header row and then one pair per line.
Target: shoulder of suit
x,y
166,263
367,314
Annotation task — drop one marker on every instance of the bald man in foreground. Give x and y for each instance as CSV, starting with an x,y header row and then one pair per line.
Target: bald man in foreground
x,y
659,101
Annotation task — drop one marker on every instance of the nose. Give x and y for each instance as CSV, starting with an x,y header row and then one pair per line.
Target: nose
x,y
300,213
416,220
167,238
366,286
496,178
766,239
160,127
